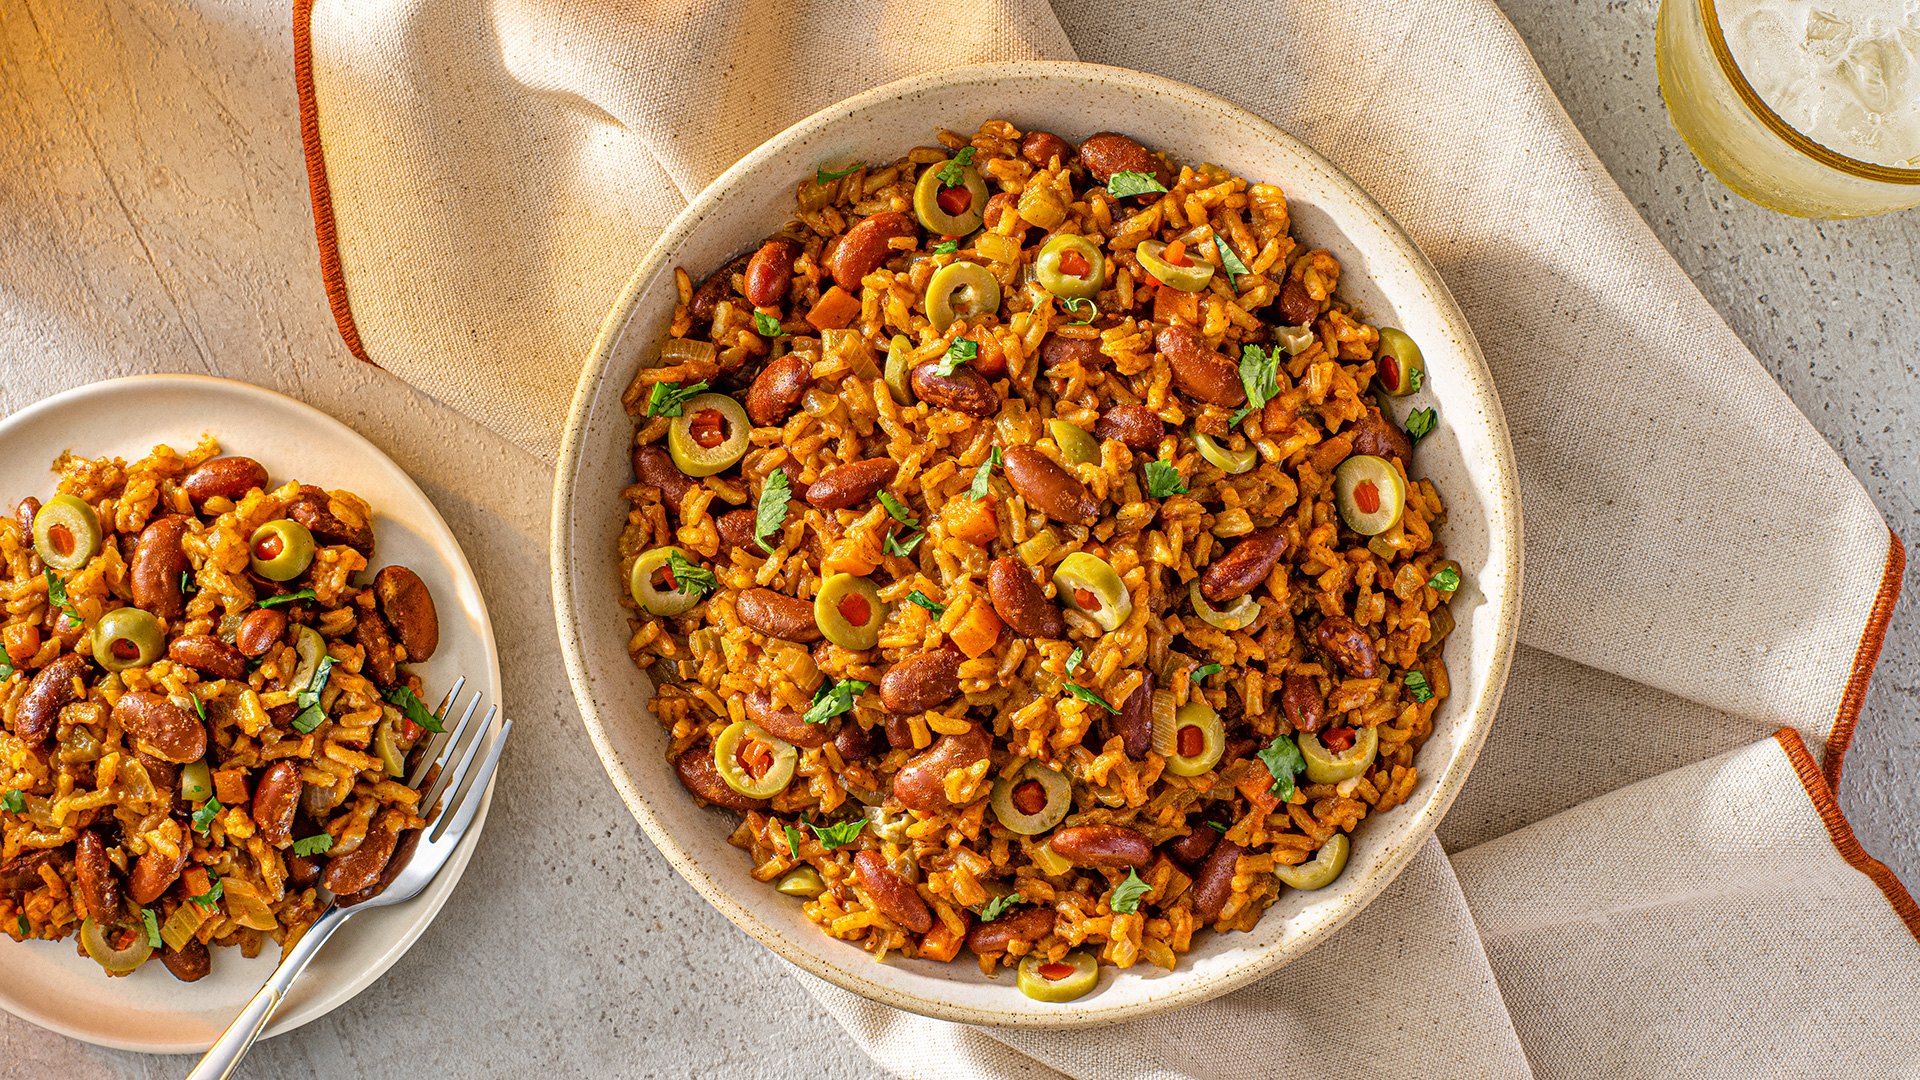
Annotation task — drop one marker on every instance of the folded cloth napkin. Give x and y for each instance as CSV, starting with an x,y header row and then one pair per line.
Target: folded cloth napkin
x,y
486,175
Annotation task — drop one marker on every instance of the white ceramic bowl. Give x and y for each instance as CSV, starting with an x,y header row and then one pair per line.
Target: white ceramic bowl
x,y
1468,458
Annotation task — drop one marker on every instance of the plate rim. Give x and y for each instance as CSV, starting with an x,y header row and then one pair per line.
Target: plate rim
x,y
282,1022
1503,474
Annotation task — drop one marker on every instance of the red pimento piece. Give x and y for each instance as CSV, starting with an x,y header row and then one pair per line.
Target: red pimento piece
x,y
269,547
1176,254
1338,739
1085,600
1055,972
1074,264
708,428
1030,797
954,200
1389,371
855,609
1191,741
1367,497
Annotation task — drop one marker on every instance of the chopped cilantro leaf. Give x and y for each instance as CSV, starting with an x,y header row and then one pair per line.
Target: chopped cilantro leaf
x,y
963,350
896,547
954,172
1446,580
1238,415
25,930
1089,697
6,669
666,398
1283,759
839,836
57,596
1073,659
834,698
997,906
1200,673
308,718
415,710
1229,261
1417,686
946,247
1093,310
1122,184
318,844
1216,826
821,175
1126,895
793,841
1414,379
925,601
687,576
153,927
14,801
1259,374
983,476
199,706
772,511
1420,423
187,584
765,325
1164,480
285,598
203,817
311,714
212,896
898,510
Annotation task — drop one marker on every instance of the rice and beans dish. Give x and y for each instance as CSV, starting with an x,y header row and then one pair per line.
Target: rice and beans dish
x,y
1022,543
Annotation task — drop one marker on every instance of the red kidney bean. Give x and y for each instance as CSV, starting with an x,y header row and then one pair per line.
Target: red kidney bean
x,y
864,247
175,734
98,885
226,477
208,655
736,531
153,576
189,963
769,273
1134,722
778,615
919,785
784,723
701,776
922,681
314,510
360,868
153,873
1042,147
653,467
1107,153
1135,425
275,799
1349,646
846,486
409,609
24,514
1025,924
896,899
22,874
1297,305
370,633
779,389
1190,849
705,303
965,391
1020,601
1240,570
1198,371
998,205
50,691
161,774
1306,708
899,730
1214,883
1376,435
1049,488
1057,351
853,742
302,871
260,631
1106,847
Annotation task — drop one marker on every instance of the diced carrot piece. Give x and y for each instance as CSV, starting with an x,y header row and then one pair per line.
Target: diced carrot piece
x,y
194,879
940,943
1171,305
230,786
1258,788
978,631
971,521
836,310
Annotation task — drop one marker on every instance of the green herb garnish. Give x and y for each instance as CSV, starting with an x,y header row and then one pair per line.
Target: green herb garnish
x,y
1417,686
1420,423
793,840
1228,260
1089,697
1073,660
839,836
1447,580
982,477
898,510
187,584
666,398
313,845
1122,184
764,324
1126,895
997,906
212,896
688,576
25,930
954,172
1216,826
57,596
1239,415
946,247
895,547
153,927
925,601
822,176
199,707
284,598
1164,480
1283,760
414,709
834,698
963,350
1093,310
15,801
6,669
1415,379
772,511
1259,374
1200,673
311,714
203,817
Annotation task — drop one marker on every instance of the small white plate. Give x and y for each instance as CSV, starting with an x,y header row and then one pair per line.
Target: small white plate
x,y
49,983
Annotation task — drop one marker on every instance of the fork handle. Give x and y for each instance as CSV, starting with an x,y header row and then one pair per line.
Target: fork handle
x,y
227,1051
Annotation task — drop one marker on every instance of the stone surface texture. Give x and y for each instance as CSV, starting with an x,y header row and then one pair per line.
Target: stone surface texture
x,y
154,217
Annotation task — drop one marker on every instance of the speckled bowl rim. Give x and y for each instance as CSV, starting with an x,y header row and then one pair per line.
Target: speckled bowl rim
x,y
1503,513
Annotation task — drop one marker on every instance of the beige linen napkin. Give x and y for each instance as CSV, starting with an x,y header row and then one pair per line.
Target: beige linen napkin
x,y
485,176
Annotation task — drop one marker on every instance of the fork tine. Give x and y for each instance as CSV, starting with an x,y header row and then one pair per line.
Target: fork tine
x,y
458,741
439,742
466,750
466,801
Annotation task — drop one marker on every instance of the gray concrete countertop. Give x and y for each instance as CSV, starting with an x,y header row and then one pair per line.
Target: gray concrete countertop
x,y
569,948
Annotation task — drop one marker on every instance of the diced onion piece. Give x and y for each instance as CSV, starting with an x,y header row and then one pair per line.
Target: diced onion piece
x,y
678,351
1164,742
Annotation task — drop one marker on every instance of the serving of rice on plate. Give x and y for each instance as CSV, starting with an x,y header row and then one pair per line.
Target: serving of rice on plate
x,y
1024,543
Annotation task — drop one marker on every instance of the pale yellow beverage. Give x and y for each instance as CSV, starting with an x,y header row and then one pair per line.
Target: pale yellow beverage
x,y
1809,107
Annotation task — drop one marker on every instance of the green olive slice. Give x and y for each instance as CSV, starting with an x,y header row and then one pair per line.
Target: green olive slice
x,y
1398,366
1232,462
1191,278
752,762
849,612
1235,616
899,375
1071,267
1199,738
196,781
308,648
653,587
386,745
66,532
1327,767
119,961
1048,793
1090,586
128,637
1295,339
281,550
802,881
963,290
950,211
709,435
1075,443
1370,494
1319,871
1059,980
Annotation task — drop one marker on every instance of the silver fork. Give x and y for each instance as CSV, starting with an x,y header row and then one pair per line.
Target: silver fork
x,y
455,750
